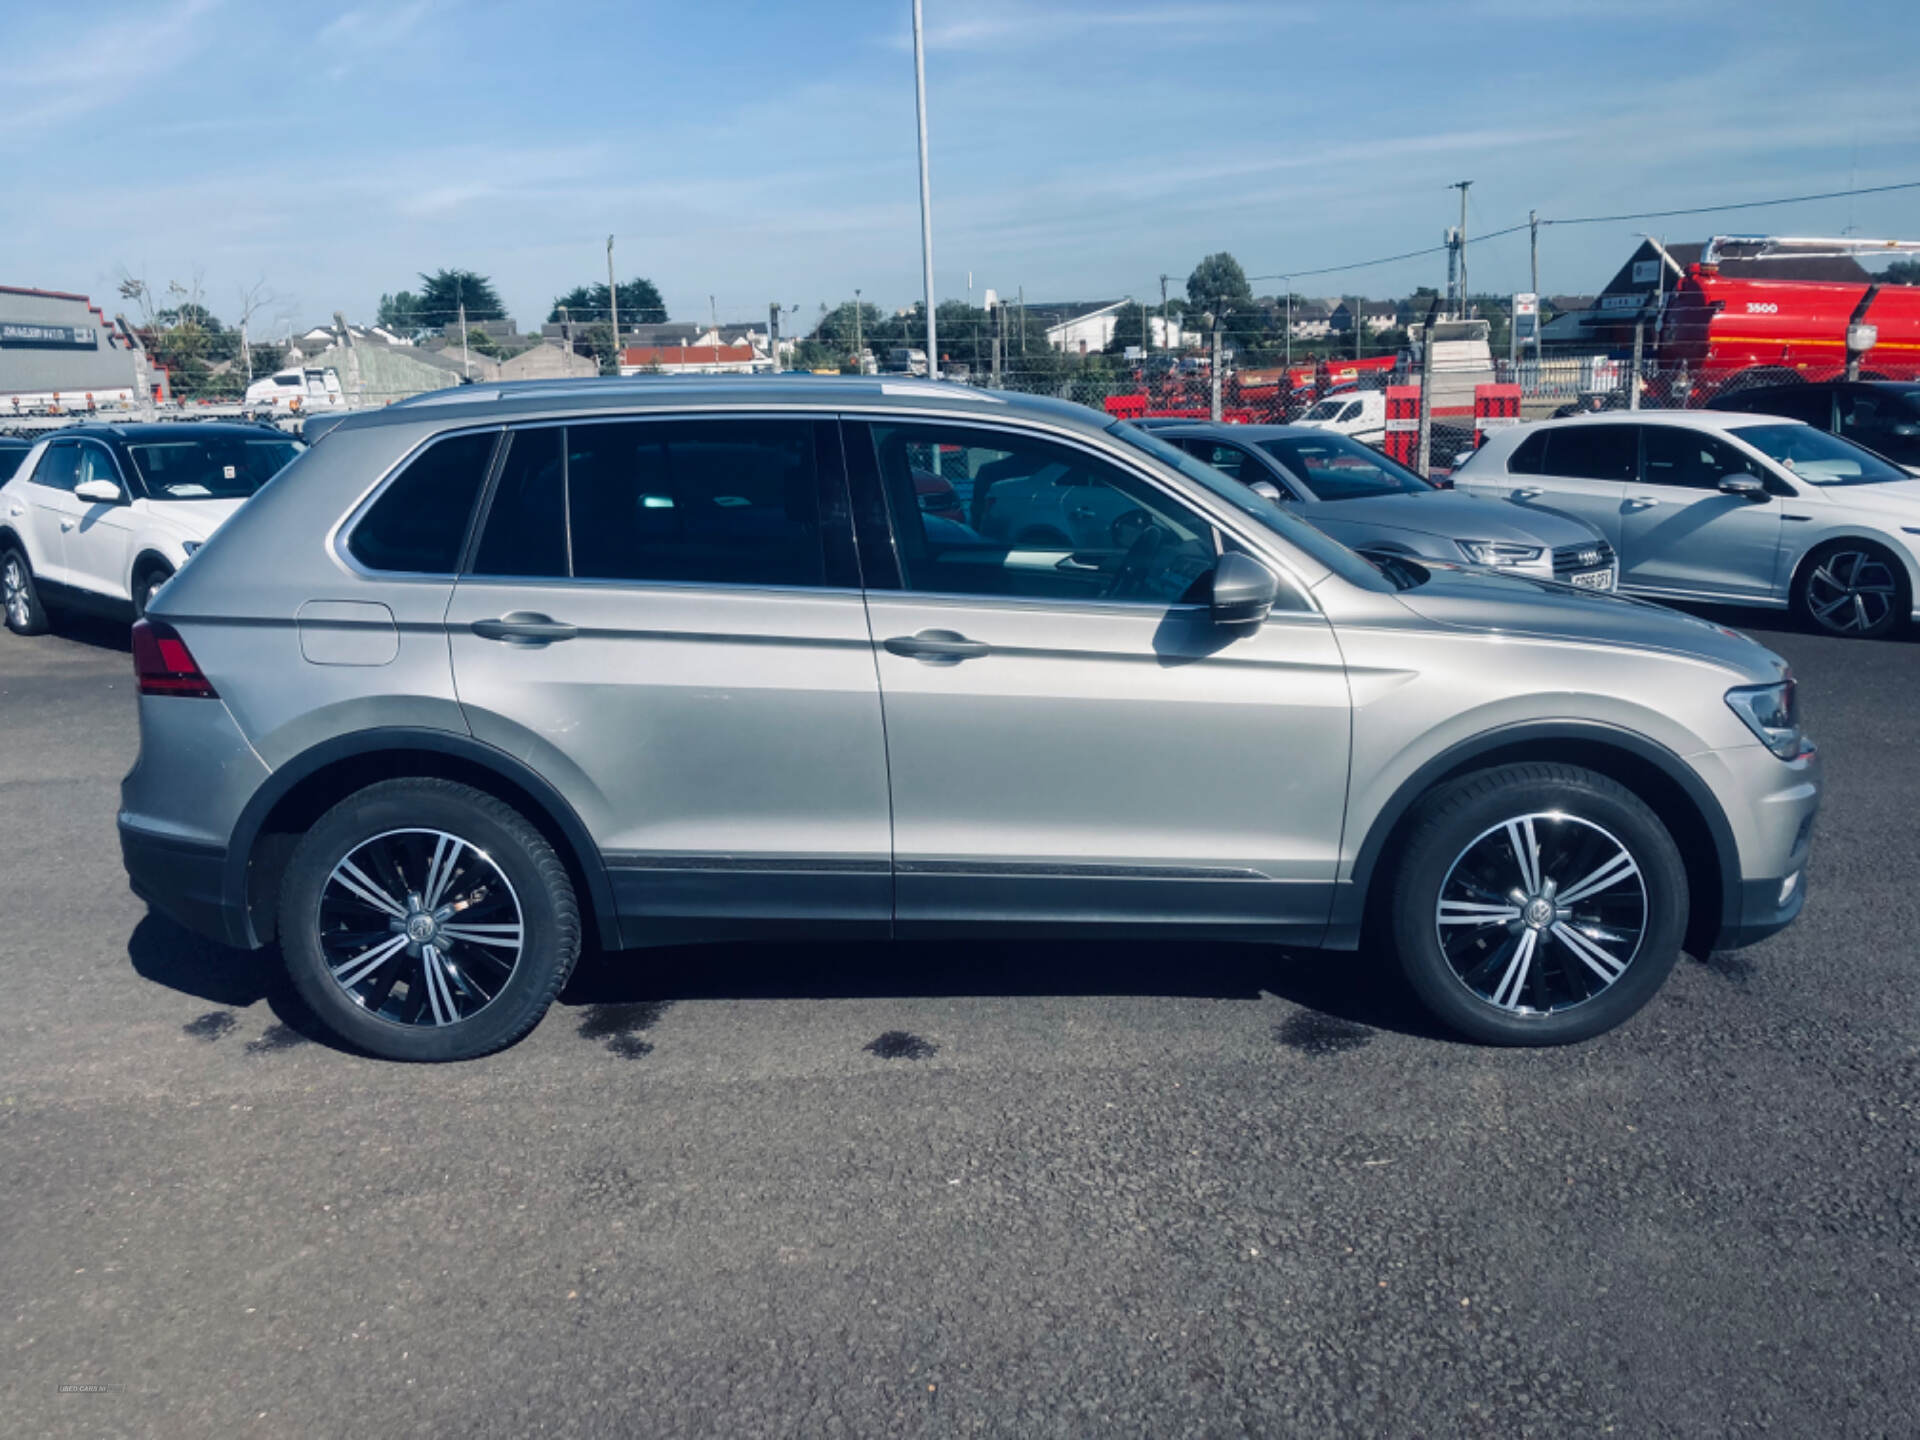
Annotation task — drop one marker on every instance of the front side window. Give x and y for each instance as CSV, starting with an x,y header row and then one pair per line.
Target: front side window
x,y
718,502
1335,467
1817,457
1043,521
211,467
59,467
1692,459
96,464
419,522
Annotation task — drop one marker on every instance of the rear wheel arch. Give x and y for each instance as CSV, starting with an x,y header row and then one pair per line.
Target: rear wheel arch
x,y
1658,777
305,788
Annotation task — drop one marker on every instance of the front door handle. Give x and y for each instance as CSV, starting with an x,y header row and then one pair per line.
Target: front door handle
x,y
1642,502
525,627
1531,492
939,647
68,524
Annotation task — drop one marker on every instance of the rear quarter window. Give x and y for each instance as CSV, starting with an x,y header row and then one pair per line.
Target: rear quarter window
x,y
418,523
1528,455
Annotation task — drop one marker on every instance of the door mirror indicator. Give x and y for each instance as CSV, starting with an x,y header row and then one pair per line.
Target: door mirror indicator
x,y
1747,487
99,492
1243,590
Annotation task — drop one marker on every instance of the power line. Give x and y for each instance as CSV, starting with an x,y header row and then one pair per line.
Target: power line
x,y
1593,220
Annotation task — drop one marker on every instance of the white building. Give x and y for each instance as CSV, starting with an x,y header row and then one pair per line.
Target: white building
x,y
1085,333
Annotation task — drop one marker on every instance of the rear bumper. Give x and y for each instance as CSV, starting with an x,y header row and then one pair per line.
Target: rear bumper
x,y
184,880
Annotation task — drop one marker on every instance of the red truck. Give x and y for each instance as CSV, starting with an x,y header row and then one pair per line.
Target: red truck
x,y
1730,333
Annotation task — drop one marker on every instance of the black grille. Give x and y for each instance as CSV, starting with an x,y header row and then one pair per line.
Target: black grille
x,y
1575,559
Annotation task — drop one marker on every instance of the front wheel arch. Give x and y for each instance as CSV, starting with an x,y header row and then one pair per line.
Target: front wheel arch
x,y
145,565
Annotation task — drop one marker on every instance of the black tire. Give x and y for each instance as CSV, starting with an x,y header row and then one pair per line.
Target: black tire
x,y
144,585
19,595
1577,814
507,845
1882,596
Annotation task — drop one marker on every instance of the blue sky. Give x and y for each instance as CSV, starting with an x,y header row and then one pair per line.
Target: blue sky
x,y
765,151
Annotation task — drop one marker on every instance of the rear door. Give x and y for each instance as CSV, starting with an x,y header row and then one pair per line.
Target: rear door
x,y
1577,470
1681,533
663,617
1070,739
51,510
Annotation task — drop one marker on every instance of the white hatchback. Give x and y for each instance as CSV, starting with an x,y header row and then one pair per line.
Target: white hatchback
x,y
1741,509
99,517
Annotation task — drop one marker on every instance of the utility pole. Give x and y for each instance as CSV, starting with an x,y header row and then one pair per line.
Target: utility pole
x,y
926,198
1424,460
1461,186
1213,409
859,365
773,337
466,362
713,315
566,333
613,308
1164,343
1533,248
1287,280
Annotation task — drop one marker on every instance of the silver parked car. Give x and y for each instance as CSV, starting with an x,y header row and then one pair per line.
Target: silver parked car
x,y
656,662
1742,509
1371,503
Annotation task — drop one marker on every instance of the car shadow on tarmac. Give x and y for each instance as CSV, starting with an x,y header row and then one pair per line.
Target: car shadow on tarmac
x,y
1353,993
95,630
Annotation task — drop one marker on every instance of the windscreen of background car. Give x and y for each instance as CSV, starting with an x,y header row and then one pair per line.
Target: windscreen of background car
x,y
1333,467
10,458
211,467
1817,457
1315,543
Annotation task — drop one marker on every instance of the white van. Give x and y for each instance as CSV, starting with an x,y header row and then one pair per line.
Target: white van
x,y
297,391
1359,413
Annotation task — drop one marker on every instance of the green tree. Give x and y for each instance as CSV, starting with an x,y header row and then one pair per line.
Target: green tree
x,y
835,328
400,313
1901,272
640,303
1218,282
443,293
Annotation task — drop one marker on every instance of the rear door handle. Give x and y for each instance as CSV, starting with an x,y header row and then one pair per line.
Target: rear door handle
x,y
1531,492
939,647
1642,502
524,627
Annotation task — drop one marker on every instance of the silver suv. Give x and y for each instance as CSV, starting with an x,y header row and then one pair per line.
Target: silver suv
x,y
659,661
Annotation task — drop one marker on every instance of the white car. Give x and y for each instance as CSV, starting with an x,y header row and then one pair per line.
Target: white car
x,y
1359,413
99,517
1738,509
294,391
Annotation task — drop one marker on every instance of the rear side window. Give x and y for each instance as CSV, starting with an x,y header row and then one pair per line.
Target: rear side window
x,y
419,523
1593,452
718,502
1530,455
526,533
59,468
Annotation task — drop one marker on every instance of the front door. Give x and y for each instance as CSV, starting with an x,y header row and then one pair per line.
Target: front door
x,y
100,537
663,618
1070,738
1679,532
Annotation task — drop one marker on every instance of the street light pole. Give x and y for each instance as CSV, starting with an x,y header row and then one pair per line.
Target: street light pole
x,y
926,198
613,308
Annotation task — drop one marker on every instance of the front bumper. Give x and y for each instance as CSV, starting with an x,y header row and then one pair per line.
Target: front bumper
x,y
184,880
1775,837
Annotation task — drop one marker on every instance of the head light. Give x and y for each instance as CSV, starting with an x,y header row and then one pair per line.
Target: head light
x,y
1772,712
1500,552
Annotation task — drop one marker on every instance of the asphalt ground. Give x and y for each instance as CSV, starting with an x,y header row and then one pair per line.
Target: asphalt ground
x,y
915,1190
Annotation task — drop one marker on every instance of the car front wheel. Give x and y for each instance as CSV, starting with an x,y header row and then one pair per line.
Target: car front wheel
x,y
1537,904
145,588
425,920
1852,588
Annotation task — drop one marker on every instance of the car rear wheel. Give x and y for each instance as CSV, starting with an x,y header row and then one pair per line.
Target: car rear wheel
x,y
426,920
1852,588
19,597
1537,904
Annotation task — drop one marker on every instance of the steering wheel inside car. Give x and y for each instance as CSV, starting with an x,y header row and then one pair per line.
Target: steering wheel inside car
x,y
1130,579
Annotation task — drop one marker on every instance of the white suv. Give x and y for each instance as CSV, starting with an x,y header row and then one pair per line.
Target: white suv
x,y
99,517
1740,509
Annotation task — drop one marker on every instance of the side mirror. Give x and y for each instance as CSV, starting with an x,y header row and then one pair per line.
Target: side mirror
x,y
1243,590
98,492
1747,487
1267,490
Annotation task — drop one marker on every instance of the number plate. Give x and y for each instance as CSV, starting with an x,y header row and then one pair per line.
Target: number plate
x,y
1593,580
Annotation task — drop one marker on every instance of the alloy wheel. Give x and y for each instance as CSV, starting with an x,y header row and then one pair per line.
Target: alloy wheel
x,y
420,927
13,590
1541,913
1851,592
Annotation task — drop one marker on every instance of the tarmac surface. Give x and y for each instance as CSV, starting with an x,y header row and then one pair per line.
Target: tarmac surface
x,y
954,1190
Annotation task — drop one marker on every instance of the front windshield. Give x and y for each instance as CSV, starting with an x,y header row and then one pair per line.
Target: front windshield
x,y
1316,543
1334,467
211,467
1325,410
1817,457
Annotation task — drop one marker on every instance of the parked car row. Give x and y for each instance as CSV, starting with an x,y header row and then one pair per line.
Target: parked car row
x,y
661,662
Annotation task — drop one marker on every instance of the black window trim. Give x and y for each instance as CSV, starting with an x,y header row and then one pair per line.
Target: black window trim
x,y
840,565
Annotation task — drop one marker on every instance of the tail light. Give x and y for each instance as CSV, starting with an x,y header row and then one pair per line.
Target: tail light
x,y
162,664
